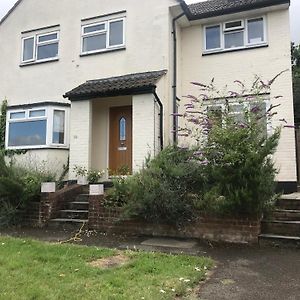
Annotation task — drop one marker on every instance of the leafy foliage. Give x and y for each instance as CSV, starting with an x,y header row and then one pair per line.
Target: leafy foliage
x,y
18,186
163,190
3,110
296,81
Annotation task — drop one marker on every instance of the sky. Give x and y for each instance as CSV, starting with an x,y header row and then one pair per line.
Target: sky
x,y
5,5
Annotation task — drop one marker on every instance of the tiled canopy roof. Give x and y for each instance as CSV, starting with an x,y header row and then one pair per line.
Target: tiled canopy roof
x,y
212,8
137,83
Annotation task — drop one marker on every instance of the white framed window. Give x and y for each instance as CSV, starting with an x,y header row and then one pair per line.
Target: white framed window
x,y
40,47
237,110
35,128
237,34
103,36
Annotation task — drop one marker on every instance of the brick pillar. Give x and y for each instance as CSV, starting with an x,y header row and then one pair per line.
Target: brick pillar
x,y
95,211
45,209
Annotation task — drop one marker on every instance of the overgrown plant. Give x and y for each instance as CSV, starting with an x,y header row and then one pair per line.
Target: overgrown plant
x,y
164,191
235,139
18,186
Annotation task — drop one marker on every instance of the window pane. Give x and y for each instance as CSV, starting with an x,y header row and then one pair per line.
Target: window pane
x,y
236,108
93,43
17,115
98,27
237,112
28,45
48,37
30,133
37,113
258,110
256,31
116,33
214,114
233,24
234,39
47,51
213,40
122,129
58,127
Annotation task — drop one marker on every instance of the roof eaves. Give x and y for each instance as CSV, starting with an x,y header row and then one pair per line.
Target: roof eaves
x,y
113,93
10,11
226,11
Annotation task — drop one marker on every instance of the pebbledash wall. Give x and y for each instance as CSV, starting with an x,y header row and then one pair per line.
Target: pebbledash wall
x,y
148,47
243,65
147,25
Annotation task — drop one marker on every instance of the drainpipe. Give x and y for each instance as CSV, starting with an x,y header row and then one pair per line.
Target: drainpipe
x,y
161,116
175,118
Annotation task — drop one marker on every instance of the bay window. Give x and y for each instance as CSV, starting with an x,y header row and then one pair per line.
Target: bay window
x,y
37,128
238,34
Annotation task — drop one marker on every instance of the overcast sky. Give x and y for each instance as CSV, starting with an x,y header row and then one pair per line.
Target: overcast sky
x,y
5,5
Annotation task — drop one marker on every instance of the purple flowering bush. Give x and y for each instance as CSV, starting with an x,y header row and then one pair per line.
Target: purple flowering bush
x,y
234,147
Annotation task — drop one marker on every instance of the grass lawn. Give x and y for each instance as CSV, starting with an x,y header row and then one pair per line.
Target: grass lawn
x,y
36,270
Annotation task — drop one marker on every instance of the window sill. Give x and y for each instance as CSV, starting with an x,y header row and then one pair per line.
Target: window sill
x,y
235,49
38,148
38,62
103,51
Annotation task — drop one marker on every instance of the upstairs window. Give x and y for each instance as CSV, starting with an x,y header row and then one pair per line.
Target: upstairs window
x,y
103,36
237,109
36,128
40,47
238,34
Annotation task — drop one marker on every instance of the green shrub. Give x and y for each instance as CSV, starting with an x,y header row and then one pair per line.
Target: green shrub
x,y
235,148
118,195
164,191
18,186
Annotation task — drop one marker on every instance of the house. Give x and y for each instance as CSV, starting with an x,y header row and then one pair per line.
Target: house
x,y
98,81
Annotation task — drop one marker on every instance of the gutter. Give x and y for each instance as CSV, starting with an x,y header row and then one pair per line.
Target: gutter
x,y
175,118
161,116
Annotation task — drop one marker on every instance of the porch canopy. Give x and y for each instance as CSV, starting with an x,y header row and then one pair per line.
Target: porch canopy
x,y
130,84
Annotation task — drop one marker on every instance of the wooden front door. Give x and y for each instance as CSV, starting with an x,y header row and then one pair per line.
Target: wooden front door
x,y
120,140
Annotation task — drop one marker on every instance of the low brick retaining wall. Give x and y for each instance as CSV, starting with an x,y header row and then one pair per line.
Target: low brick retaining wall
x,y
214,229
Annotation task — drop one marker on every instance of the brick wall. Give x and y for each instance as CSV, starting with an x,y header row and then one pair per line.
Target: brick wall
x,y
214,229
39,213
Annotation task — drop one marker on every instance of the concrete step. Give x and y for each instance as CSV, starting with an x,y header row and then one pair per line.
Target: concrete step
x,y
82,198
78,205
73,214
286,215
277,227
279,240
289,202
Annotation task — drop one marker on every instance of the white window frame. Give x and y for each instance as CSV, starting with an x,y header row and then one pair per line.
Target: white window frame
x,y
246,105
99,32
36,45
221,41
237,28
243,28
49,114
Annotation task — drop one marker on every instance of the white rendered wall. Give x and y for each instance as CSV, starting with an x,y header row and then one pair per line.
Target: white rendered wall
x,y
80,136
244,65
145,133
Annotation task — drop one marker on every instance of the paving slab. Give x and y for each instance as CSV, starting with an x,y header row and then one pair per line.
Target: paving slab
x,y
169,243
